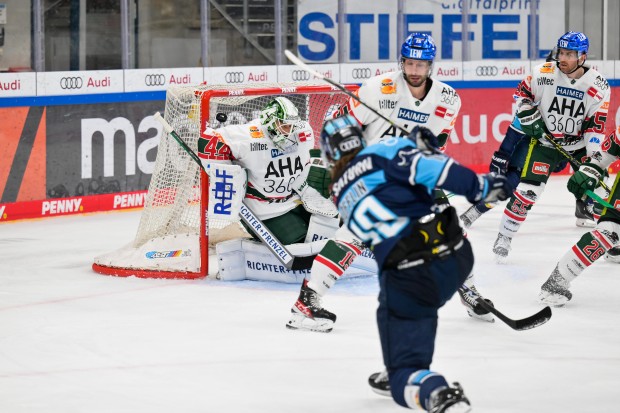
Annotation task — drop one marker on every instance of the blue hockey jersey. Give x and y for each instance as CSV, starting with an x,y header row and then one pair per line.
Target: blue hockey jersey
x,y
389,185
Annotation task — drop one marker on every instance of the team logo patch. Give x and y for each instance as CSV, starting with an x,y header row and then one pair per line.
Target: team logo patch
x,y
255,132
442,112
388,87
540,168
303,136
595,94
547,68
412,115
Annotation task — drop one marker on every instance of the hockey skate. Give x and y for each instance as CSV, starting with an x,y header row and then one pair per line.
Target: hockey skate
x,y
613,255
470,216
583,213
380,383
449,400
555,291
474,309
501,248
307,313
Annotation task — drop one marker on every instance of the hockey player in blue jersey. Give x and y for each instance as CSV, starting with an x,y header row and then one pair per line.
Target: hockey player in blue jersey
x,y
384,194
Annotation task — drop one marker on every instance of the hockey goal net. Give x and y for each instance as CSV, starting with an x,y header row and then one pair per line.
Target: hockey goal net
x,y
175,233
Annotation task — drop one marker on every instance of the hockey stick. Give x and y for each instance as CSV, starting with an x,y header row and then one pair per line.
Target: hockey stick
x,y
574,162
297,62
290,261
527,323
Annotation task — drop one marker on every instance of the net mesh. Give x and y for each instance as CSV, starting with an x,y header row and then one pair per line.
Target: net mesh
x,y
172,204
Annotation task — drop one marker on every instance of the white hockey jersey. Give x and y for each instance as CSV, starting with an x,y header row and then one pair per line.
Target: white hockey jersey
x,y
270,171
390,95
574,110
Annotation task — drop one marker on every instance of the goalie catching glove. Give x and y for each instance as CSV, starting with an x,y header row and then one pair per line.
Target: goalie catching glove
x,y
587,177
531,120
313,201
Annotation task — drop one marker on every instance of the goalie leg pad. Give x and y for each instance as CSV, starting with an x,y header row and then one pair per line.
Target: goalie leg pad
x,y
321,227
250,260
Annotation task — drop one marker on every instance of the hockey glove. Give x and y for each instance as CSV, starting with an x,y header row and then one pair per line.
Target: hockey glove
x,y
424,139
318,176
494,187
499,162
587,177
531,121
313,201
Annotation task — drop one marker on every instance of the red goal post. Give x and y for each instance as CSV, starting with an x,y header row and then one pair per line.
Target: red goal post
x,y
174,234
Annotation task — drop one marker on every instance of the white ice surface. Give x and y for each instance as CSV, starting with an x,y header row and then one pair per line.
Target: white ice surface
x,y
75,341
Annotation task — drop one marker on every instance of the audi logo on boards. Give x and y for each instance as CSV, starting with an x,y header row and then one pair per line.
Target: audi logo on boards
x,y
300,75
361,73
72,82
487,70
234,77
155,80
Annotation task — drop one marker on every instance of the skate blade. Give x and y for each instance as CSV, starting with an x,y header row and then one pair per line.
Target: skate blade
x,y
301,322
501,259
482,317
554,300
585,223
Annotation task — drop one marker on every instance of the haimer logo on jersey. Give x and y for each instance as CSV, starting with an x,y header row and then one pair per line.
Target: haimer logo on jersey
x,y
412,115
568,92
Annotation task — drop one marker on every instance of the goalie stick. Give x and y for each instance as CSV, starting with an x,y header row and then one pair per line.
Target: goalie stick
x,y
526,323
274,245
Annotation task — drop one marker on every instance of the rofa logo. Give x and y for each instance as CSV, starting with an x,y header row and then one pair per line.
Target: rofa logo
x,y
388,87
540,168
255,132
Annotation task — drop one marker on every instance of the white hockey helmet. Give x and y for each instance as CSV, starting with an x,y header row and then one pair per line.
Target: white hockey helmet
x,y
280,117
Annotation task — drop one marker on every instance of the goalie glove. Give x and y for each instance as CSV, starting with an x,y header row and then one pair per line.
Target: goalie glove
x,y
587,177
313,201
531,121
318,176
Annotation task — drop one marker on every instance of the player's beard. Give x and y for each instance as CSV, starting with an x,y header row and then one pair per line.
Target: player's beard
x,y
416,80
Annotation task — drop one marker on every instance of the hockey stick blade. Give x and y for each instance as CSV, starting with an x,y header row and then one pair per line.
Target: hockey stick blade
x,y
527,323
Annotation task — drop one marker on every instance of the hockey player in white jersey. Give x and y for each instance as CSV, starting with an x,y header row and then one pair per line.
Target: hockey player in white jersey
x,y
566,101
409,96
604,238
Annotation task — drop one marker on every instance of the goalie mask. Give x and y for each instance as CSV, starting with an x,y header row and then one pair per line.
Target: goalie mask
x,y
281,117
340,137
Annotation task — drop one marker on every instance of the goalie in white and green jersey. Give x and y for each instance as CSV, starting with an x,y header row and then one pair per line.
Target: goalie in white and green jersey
x,y
287,189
